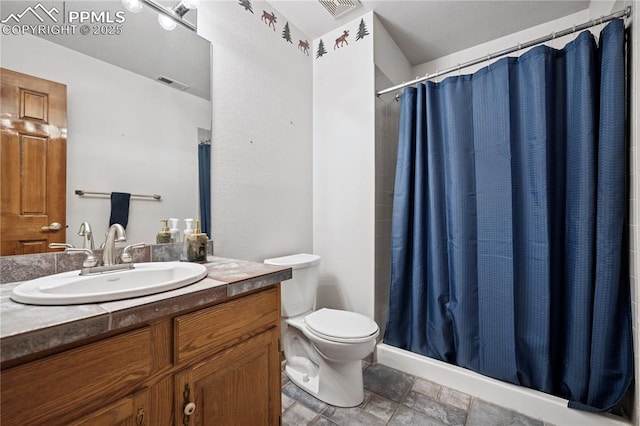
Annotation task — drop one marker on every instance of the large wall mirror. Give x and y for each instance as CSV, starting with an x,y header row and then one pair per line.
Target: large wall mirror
x,y
138,105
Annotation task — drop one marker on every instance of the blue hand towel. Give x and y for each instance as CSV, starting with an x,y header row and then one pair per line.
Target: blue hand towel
x,y
120,208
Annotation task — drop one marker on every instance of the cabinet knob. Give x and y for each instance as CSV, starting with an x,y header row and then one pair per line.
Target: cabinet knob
x,y
189,409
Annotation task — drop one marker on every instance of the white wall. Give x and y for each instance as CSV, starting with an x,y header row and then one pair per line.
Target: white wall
x,y
109,146
262,134
505,42
388,56
344,169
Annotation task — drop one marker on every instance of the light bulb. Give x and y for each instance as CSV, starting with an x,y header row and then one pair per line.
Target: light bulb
x,y
190,4
166,22
134,6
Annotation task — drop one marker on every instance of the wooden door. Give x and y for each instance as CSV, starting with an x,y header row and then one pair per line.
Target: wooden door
x,y
239,387
33,163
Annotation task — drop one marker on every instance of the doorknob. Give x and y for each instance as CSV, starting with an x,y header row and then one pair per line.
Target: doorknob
x,y
54,227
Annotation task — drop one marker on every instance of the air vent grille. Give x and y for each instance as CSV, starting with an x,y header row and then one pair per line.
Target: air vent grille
x,y
173,83
338,8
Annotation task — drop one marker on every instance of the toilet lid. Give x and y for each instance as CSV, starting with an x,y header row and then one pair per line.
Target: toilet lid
x,y
340,325
295,261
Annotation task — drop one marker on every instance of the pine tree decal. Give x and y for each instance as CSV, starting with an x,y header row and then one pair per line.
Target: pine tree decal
x,y
321,50
286,33
246,4
362,30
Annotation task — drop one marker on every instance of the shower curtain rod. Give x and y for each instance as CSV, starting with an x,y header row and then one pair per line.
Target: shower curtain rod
x,y
619,14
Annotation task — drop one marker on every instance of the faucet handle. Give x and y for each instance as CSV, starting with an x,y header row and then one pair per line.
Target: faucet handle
x,y
61,245
86,232
90,261
126,257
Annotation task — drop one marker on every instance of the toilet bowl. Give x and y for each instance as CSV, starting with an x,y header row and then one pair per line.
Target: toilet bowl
x,y
323,349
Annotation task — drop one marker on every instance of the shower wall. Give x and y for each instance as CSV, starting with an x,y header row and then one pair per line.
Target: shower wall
x,y
391,68
387,114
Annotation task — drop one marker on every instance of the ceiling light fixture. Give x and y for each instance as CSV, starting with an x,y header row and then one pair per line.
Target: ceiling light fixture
x,y
168,16
133,6
167,22
174,15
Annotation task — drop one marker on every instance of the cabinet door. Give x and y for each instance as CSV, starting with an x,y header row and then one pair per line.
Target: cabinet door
x,y
129,411
240,386
58,389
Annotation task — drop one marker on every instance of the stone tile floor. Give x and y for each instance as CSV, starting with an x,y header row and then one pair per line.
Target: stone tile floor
x,y
396,398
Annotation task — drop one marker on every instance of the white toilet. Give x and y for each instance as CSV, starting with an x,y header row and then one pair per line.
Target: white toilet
x,y
323,349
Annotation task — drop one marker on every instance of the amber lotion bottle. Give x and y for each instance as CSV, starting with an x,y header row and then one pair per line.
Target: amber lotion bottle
x,y
164,236
196,245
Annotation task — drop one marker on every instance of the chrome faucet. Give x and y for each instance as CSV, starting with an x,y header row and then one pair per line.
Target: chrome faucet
x,y
114,234
91,265
86,232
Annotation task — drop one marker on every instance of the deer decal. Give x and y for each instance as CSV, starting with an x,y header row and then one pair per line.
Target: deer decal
x,y
341,40
269,18
304,46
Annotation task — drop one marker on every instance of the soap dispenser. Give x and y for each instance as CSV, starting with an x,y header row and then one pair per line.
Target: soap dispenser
x,y
175,232
188,230
196,244
164,236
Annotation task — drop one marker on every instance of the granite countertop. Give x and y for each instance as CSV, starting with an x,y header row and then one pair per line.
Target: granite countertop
x,y
28,329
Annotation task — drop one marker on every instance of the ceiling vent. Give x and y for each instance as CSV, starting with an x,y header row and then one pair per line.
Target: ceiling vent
x,y
337,8
173,83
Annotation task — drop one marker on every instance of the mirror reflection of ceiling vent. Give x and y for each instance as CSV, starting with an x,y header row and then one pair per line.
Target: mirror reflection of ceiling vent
x,y
338,8
173,83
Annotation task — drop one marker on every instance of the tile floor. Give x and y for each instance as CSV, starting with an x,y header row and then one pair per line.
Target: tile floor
x,y
396,398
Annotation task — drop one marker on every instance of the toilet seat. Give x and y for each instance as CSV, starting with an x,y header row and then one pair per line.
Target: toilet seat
x,y
341,326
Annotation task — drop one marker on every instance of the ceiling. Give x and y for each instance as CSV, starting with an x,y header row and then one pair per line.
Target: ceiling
x,y
429,29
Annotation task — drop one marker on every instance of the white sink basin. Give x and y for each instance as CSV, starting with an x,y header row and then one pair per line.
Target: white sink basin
x,y
72,288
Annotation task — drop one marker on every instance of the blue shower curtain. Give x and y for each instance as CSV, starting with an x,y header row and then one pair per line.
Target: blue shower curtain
x,y
509,243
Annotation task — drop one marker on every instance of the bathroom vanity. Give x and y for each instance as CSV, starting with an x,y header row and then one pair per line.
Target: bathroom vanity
x,y
207,353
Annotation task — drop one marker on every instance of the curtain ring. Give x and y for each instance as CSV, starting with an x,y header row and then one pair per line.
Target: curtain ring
x,y
519,47
458,70
553,35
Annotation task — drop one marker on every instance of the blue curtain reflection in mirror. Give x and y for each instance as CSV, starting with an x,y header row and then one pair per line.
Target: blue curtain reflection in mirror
x,y
204,179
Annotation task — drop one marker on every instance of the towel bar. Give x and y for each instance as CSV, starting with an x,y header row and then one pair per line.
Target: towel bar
x,y
82,192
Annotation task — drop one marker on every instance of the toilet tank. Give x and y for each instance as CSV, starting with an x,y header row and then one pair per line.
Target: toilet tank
x,y
298,295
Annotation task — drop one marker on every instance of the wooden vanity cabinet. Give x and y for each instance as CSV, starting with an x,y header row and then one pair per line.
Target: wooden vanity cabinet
x,y
221,362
